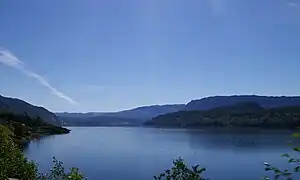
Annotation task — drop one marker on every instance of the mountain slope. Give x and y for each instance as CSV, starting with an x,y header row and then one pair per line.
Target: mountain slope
x,y
18,106
142,113
147,112
99,121
24,128
242,114
264,101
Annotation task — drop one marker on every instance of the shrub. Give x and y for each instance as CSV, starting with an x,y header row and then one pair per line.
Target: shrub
x,y
13,164
181,172
58,173
285,174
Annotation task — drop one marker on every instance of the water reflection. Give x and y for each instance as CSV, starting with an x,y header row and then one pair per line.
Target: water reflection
x,y
38,142
140,153
239,139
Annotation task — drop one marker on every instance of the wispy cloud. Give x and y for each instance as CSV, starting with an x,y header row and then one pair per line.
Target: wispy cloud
x,y
293,3
110,87
217,7
9,59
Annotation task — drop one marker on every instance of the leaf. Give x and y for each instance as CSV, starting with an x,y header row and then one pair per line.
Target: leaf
x,y
202,170
162,174
268,169
285,155
286,174
267,164
277,171
292,160
297,169
296,135
195,168
297,149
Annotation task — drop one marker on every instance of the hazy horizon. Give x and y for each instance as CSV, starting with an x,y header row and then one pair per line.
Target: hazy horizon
x,y
147,105
107,56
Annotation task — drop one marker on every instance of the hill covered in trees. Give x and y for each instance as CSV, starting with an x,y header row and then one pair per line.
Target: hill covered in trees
x,y
132,117
141,113
18,106
99,121
248,114
138,116
23,128
221,101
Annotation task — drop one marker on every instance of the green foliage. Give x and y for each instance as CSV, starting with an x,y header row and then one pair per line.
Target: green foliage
x,y
13,164
25,128
245,114
23,119
20,130
18,106
285,174
58,173
181,172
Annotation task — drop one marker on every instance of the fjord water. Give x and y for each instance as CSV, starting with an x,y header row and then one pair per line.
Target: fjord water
x,y
113,153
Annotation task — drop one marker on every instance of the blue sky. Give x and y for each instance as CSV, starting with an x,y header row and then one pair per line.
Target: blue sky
x,y
98,55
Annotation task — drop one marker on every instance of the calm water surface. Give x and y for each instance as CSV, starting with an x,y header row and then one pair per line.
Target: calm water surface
x,y
113,153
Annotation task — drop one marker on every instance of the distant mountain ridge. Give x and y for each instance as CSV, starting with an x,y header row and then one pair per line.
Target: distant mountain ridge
x,y
264,101
18,106
100,121
137,116
141,113
147,112
245,114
